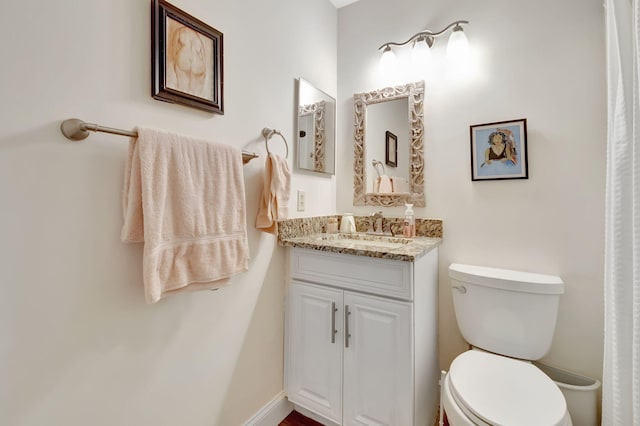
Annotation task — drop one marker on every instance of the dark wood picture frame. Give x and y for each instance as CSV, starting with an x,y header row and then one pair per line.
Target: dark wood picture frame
x,y
181,76
391,149
509,160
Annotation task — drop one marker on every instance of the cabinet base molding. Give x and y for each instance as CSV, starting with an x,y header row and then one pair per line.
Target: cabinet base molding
x,y
314,416
273,413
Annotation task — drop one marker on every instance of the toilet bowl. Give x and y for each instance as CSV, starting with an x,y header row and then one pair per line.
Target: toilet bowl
x,y
488,389
510,317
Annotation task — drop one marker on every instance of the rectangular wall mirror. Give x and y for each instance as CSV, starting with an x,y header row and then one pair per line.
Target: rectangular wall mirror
x,y
388,146
316,132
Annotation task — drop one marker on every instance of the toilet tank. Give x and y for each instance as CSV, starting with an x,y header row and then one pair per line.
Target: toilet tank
x,y
507,312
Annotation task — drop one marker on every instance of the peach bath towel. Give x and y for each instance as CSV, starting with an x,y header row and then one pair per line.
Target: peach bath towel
x,y
274,201
399,184
184,198
382,185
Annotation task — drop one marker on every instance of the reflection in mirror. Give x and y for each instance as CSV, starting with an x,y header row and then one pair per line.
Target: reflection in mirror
x,y
316,129
388,146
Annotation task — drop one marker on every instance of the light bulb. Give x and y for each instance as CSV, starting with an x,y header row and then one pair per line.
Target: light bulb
x,y
458,47
387,64
421,54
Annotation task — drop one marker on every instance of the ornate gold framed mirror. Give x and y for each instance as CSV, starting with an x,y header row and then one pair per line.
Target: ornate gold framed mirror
x,y
397,110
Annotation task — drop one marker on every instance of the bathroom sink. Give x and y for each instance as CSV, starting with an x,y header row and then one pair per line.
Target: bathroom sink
x,y
364,241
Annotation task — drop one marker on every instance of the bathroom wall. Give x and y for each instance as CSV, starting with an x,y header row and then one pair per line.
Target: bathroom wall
x,y
78,344
543,61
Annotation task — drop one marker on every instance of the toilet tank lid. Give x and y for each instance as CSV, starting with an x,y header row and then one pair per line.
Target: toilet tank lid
x,y
527,282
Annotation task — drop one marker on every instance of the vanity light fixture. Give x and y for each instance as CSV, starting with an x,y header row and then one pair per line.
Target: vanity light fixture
x,y
457,47
388,62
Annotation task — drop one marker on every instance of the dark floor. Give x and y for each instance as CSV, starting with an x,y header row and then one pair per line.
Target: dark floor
x,y
297,419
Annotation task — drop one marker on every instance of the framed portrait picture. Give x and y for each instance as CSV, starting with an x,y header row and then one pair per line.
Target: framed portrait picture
x,y
391,149
499,150
186,63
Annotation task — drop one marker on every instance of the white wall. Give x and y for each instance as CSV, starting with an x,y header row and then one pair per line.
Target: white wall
x,y
541,60
79,345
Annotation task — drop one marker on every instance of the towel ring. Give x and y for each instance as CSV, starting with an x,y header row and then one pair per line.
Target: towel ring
x,y
375,164
267,133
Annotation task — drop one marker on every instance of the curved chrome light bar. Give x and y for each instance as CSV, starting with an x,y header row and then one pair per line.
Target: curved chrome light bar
x,y
427,36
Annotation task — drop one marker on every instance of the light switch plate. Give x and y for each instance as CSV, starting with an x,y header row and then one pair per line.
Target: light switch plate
x,y
301,200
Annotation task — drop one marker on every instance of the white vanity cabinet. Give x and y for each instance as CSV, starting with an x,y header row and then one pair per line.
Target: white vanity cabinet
x,y
314,356
361,338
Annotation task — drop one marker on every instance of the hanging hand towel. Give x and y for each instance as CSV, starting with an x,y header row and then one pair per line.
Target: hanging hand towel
x,y
399,184
274,201
383,185
184,198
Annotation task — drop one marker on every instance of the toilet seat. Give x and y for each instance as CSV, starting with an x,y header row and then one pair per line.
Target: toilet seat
x,y
496,390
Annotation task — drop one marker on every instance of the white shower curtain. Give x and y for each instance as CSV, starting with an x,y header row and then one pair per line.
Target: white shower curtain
x,y
621,375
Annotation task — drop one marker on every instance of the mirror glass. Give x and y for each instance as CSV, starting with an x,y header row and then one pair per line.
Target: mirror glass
x,y
388,146
387,152
316,141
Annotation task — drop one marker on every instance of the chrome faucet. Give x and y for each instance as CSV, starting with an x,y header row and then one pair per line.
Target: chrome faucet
x,y
376,225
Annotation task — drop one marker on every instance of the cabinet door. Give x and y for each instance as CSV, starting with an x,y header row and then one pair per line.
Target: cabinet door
x,y
314,355
378,361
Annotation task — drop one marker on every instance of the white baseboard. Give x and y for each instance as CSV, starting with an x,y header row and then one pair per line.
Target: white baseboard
x,y
272,413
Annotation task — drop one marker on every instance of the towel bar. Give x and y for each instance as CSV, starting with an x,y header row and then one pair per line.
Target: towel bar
x,y
77,130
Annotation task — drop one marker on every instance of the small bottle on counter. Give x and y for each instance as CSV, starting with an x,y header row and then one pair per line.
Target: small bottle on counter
x,y
332,225
409,230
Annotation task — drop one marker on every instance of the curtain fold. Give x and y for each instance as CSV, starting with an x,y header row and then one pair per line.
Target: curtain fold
x,y
621,373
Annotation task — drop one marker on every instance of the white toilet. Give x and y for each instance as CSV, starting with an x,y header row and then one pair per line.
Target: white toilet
x,y
509,319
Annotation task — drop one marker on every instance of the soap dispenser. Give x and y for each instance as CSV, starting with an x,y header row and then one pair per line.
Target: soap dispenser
x,y
409,229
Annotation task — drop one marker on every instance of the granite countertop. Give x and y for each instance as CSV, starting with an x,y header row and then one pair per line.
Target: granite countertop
x,y
405,249
308,233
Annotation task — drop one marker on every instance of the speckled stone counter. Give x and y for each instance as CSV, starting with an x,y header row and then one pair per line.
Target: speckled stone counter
x,y
308,233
